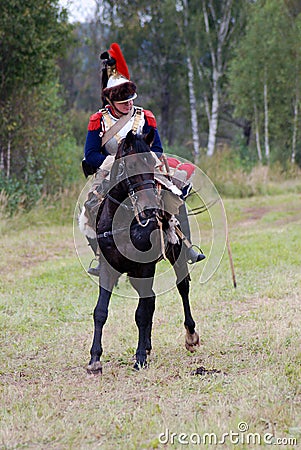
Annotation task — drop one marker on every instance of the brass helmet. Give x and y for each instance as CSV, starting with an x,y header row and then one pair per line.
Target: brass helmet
x,y
116,84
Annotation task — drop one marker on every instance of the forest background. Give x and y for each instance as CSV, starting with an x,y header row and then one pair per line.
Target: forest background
x,y
222,77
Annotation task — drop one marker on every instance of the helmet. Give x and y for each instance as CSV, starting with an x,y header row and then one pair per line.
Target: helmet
x,y
116,83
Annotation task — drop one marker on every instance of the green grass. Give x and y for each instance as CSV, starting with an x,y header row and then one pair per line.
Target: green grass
x,y
250,335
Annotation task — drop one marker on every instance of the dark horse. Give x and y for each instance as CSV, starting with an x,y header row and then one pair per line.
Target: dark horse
x,y
130,226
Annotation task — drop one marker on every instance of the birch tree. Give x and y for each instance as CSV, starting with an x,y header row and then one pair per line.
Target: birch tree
x,y
264,80
221,20
190,76
294,9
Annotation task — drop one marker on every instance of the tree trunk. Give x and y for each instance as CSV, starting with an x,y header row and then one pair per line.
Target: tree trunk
x,y
259,153
205,97
192,98
221,26
293,157
193,113
8,158
295,124
1,160
214,115
266,118
247,130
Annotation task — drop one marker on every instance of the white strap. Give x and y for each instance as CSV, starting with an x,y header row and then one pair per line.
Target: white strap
x,y
116,127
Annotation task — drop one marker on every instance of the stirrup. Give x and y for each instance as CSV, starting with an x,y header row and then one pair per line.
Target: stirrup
x,y
198,256
94,270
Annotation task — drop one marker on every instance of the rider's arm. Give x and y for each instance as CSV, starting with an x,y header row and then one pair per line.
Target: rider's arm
x,y
150,122
94,153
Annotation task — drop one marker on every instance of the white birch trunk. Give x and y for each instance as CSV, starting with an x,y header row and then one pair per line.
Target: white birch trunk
x,y
257,135
295,126
193,112
192,97
221,26
266,118
213,116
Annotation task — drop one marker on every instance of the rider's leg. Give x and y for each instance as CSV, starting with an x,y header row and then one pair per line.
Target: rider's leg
x,y
191,254
95,196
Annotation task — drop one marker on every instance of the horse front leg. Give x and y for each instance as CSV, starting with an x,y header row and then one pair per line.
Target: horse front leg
x,y
144,316
144,321
100,316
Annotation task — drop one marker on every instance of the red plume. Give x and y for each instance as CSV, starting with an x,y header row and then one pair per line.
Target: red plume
x,y
121,66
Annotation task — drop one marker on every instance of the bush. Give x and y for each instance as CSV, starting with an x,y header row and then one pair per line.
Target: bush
x,y
79,124
234,180
62,166
18,195
61,169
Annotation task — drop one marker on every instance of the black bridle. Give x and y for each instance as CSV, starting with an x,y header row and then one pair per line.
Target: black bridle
x,y
132,189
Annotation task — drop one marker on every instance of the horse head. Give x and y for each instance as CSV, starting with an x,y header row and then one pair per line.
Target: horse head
x,y
133,174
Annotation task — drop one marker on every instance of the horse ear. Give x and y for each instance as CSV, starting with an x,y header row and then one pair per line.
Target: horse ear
x,y
149,137
129,138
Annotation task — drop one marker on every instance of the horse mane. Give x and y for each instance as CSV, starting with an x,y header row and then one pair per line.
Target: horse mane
x,y
133,144
136,141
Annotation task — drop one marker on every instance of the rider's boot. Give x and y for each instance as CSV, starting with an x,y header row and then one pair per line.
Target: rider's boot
x,y
95,271
192,256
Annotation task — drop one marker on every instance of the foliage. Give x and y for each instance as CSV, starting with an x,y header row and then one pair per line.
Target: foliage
x,y
156,54
32,33
268,54
33,131
50,82
78,120
63,170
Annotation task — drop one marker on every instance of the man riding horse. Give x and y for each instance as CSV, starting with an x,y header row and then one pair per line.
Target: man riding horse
x,y
106,129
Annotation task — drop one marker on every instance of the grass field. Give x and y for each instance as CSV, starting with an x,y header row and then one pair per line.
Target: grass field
x,y
246,392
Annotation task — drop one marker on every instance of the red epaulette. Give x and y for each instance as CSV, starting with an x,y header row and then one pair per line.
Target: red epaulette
x,y
151,120
94,122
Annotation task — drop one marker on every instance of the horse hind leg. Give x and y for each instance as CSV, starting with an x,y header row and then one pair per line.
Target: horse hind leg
x,y
192,340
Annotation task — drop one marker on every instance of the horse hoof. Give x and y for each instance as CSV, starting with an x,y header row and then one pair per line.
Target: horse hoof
x,y
140,365
94,368
192,341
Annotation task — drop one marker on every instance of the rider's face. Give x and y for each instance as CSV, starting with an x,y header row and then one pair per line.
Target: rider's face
x,y
124,107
